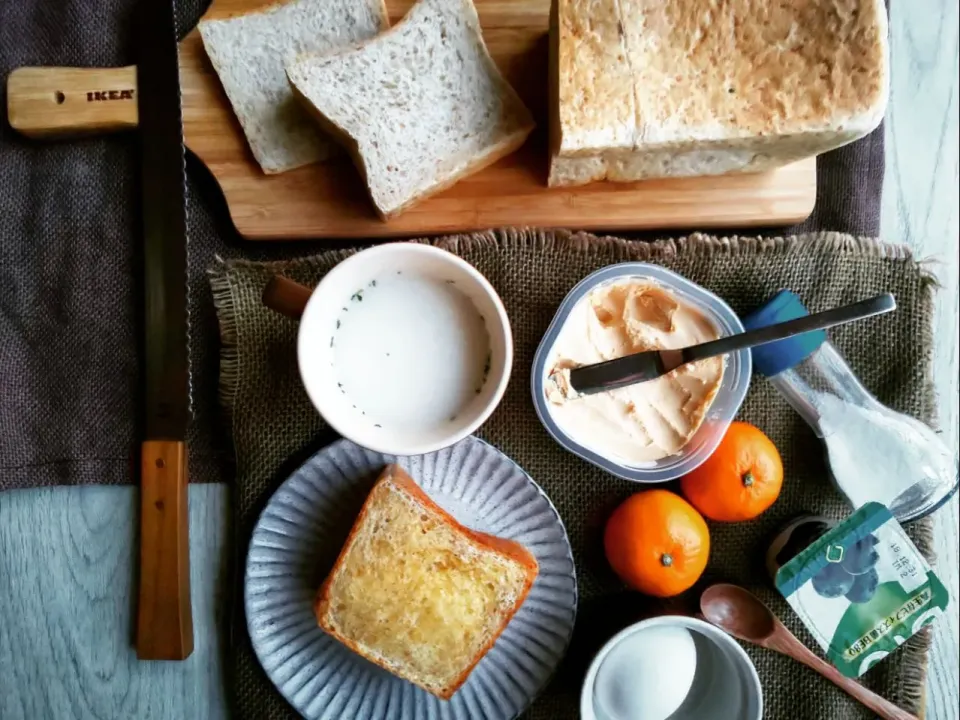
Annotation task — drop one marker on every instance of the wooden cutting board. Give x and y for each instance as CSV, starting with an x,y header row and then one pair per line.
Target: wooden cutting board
x,y
329,200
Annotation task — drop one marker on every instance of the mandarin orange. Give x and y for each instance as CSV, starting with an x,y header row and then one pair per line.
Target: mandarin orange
x,y
740,480
657,543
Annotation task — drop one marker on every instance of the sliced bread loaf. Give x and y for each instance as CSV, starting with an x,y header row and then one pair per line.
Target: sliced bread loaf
x,y
416,592
660,88
418,107
248,52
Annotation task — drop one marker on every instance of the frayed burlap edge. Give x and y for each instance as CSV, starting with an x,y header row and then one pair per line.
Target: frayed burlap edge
x,y
917,650
223,302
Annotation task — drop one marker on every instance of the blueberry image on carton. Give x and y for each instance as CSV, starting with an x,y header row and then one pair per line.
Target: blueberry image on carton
x,y
833,581
862,556
864,587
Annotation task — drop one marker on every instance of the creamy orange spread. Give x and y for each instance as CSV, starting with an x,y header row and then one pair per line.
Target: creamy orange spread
x,y
647,421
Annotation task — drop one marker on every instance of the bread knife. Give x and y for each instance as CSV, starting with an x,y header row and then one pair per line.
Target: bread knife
x,y
164,618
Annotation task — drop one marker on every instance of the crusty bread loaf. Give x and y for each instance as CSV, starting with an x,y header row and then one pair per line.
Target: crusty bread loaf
x,y
416,592
418,107
661,88
249,50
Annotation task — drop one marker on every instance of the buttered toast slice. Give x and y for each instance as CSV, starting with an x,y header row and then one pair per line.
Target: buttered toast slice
x,y
416,592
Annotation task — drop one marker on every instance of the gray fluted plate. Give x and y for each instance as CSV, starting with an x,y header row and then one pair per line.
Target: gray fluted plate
x,y
297,540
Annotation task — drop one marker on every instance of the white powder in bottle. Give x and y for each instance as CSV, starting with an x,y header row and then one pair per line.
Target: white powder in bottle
x,y
881,456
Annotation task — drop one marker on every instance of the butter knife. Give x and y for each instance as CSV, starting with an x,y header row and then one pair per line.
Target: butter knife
x,y
644,366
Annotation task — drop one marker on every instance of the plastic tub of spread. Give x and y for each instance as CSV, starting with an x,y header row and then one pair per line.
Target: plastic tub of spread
x,y
688,303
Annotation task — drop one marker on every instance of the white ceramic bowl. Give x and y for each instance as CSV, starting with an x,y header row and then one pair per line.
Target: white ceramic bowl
x,y
725,685
315,352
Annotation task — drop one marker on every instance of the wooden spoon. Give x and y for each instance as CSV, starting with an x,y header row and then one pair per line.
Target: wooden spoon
x,y
743,615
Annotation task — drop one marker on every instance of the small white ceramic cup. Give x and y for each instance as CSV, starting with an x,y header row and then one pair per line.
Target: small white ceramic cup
x,y
318,322
725,687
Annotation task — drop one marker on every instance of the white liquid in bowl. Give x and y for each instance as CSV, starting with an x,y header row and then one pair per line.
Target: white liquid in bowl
x,y
647,675
410,351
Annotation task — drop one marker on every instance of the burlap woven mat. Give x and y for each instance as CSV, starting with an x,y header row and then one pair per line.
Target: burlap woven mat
x,y
274,426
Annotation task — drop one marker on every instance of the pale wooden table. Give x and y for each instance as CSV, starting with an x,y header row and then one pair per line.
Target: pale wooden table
x,y
67,571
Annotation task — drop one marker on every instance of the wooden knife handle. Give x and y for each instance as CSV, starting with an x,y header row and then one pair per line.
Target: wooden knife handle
x,y
285,296
165,621
45,102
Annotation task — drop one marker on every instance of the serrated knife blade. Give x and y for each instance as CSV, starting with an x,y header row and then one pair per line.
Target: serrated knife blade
x,y
164,622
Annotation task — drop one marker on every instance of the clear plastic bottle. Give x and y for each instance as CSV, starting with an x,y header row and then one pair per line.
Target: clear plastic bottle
x,y
874,453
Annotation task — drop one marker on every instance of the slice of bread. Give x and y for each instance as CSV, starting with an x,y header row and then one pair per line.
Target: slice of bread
x,y
670,88
248,52
418,107
418,593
